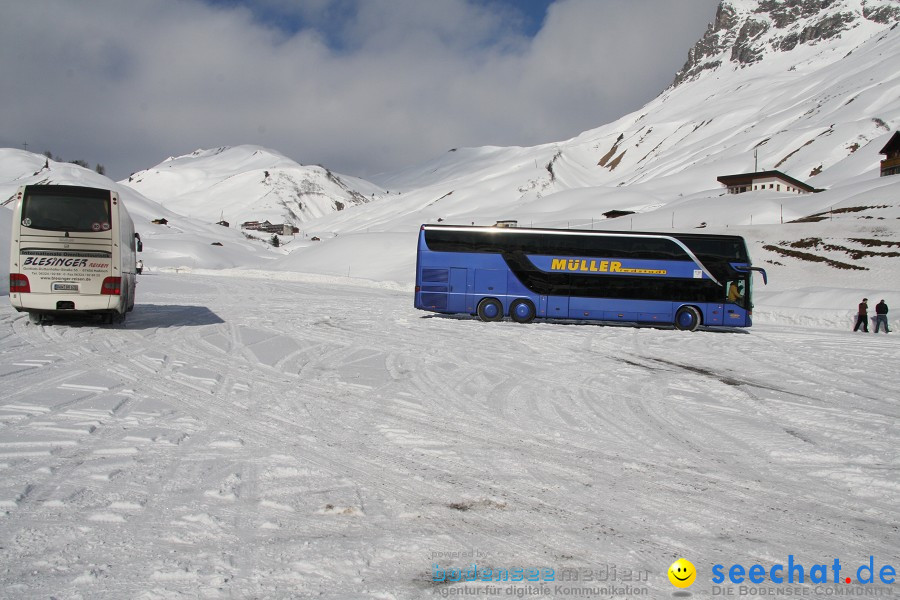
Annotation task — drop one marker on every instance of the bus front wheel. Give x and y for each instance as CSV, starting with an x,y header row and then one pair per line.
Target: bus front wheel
x,y
687,318
490,309
522,311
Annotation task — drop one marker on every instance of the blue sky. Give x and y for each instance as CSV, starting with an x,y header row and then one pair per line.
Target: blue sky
x,y
532,11
360,86
526,16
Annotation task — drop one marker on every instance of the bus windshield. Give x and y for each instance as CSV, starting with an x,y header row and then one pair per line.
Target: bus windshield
x,y
63,212
737,292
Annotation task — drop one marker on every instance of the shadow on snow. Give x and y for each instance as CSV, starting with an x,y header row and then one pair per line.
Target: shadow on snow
x,y
145,316
627,324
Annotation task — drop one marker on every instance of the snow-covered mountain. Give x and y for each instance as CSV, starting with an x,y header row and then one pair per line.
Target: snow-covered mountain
x,y
745,31
249,183
808,87
818,110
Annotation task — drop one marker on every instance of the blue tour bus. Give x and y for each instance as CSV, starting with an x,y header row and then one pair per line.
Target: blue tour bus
x,y
683,279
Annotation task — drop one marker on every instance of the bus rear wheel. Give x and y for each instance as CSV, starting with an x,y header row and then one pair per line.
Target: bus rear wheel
x,y
687,318
490,309
522,311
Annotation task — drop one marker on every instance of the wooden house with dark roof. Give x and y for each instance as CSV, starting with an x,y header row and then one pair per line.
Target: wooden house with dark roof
x,y
891,164
774,181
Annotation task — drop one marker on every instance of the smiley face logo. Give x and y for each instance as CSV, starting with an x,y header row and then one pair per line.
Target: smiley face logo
x,y
682,573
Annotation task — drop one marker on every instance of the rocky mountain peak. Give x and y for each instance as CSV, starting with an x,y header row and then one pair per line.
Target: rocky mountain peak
x,y
745,31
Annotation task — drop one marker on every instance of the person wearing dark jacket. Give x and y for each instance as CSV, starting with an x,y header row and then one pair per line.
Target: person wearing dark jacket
x,y
862,316
881,311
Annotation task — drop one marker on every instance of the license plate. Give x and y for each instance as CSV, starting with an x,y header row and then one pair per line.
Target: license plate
x,y
65,287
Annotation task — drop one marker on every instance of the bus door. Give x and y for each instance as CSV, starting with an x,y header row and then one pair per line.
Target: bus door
x,y
715,313
456,300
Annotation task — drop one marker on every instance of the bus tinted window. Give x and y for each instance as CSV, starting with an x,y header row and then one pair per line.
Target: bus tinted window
x,y
618,246
66,213
576,285
727,248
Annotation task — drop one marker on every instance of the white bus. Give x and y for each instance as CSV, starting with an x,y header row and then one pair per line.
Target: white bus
x,y
72,251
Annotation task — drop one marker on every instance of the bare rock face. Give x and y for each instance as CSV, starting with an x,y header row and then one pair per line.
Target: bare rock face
x,y
744,50
746,31
706,53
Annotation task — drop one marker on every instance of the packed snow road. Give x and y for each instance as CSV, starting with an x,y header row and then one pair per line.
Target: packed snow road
x,y
249,437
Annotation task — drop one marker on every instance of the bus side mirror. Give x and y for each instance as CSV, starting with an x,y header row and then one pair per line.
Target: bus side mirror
x,y
140,244
760,270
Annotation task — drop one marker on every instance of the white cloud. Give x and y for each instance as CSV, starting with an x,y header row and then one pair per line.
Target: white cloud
x,y
391,83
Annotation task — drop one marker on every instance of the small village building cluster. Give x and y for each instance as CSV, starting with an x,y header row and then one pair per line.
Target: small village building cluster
x,y
775,181
265,226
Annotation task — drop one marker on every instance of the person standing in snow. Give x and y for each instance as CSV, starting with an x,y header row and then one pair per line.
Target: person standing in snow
x,y
862,316
881,311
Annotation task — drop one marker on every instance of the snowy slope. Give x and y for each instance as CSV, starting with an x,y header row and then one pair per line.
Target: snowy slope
x,y
826,106
248,183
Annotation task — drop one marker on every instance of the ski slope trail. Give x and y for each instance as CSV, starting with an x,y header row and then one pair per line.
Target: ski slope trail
x,y
254,437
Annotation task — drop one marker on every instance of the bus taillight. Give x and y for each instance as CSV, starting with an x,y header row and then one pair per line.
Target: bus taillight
x,y
18,283
112,286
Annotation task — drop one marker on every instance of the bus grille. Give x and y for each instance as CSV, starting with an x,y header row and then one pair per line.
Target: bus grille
x,y
436,301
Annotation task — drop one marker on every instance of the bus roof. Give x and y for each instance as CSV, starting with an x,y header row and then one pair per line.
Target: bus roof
x,y
584,232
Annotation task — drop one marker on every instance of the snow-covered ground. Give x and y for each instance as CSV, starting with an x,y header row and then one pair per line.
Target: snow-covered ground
x,y
252,437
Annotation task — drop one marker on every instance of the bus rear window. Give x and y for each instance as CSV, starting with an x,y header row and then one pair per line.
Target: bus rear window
x,y
84,214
